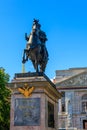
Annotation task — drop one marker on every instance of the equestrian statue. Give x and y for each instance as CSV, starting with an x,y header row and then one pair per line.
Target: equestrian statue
x,y
36,49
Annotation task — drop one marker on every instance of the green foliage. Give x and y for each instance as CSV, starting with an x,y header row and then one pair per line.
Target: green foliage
x,y
4,101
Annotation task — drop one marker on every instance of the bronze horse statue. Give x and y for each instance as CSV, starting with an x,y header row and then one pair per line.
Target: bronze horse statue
x,y
35,48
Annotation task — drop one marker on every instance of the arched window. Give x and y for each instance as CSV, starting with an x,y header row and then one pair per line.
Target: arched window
x,y
84,103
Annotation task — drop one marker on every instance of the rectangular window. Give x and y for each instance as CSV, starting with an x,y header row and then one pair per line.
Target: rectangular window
x,y
63,102
84,106
63,107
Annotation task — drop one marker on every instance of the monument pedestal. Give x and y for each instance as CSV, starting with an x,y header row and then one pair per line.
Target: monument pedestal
x,y
34,102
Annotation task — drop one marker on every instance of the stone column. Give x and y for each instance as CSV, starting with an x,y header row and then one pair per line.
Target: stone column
x,y
66,102
59,105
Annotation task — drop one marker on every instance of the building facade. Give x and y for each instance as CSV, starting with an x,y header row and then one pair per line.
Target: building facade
x,y
72,108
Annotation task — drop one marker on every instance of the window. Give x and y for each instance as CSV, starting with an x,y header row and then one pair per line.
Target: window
x,y
63,102
63,107
84,103
84,97
84,106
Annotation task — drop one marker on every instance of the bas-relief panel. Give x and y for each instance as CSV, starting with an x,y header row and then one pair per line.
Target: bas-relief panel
x,y
27,112
79,80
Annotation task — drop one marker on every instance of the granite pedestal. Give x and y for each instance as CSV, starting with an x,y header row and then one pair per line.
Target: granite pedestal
x,y
34,102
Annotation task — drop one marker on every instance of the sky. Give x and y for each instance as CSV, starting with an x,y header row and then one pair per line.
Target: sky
x,y
64,22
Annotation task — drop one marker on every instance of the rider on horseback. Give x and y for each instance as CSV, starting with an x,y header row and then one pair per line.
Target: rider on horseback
x,y
33,39
36,39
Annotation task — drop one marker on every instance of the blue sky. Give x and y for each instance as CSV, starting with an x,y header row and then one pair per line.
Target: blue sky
x,y
65,23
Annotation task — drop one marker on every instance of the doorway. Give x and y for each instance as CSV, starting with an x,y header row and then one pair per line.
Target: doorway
x,y
85,124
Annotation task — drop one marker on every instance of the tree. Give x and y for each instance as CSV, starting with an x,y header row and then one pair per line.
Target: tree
x,y
4,101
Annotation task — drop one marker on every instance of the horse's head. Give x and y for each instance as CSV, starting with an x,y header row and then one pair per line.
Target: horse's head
x,y
33,39
36,27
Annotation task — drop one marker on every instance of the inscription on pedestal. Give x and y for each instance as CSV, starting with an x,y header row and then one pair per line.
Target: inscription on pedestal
x,y
27,112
